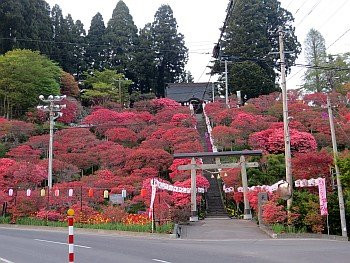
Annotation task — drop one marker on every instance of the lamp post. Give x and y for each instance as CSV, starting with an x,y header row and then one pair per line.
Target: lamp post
x,y
54,111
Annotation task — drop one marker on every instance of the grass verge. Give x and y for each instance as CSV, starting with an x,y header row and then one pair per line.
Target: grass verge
x,y
29,221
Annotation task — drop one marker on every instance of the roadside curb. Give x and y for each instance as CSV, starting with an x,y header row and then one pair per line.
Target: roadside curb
x,y
90,231
273,235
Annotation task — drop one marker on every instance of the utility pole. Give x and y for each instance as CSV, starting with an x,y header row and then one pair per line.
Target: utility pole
x,y
337,172
287,152
54,112
226,83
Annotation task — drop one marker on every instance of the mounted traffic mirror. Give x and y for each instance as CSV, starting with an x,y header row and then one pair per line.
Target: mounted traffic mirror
x,y
284,191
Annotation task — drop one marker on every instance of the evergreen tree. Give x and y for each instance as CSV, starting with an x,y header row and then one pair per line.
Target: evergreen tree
x,y
121,36
144,63
21,22
61,51
169,46
78,37
186,77
252,33
69,46
95,55
315,54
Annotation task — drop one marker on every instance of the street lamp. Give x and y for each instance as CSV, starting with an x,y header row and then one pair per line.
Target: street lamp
x,y
54,110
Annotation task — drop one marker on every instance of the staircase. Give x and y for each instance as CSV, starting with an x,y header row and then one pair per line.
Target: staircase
x,y
214,201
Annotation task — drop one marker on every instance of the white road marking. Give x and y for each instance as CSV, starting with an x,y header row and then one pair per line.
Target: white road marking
x,y
60,243
5,260
159,260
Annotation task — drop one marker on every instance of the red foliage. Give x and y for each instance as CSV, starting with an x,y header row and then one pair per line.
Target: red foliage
x,y
184,199
274,213
238,197
185,120
5,165
231,177
24,153
311,165
151,158
71,111
15,131
73,145
121,135
108,155
224,136
158,104
39,142
272,141
177,175
69,86
25,174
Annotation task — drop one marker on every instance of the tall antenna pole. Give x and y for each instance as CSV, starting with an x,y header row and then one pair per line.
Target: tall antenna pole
x,y
287,152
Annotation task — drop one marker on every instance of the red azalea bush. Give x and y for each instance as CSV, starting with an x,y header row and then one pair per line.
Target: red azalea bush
x,y
121,135
274,213
114,214
50,215
272,141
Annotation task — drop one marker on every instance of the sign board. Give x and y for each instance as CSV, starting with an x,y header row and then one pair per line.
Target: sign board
x,y
116,199
262,197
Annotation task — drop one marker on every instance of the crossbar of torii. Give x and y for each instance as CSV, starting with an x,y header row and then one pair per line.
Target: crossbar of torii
x,y
218,165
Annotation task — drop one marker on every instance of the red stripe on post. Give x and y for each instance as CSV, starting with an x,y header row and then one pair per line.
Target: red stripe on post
x,y
70,221
70,239
71,257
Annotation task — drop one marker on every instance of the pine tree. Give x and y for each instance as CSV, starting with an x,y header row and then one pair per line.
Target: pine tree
x,y
95,55
23,21
121,36
315,54
252,33
170,49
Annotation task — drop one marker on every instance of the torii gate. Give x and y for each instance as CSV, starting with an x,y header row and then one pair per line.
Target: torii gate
x,y
218,165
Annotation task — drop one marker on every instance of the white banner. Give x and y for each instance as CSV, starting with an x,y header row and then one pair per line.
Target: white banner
x,y
267,188
176,189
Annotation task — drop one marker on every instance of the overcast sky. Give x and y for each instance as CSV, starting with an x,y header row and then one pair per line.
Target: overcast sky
x,y
200,20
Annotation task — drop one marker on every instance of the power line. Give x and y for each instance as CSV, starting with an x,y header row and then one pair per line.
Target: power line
x,y
333,14
303,3
310,12
347,31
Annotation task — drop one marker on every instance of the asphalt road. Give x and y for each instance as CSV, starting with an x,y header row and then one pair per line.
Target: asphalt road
x,y
38,246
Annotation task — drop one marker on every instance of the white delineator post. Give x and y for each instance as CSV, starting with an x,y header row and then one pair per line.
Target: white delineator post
x,y
70,235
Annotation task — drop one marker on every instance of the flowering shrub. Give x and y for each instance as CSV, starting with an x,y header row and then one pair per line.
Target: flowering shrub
x,y
272,141
50,215
133,219
122,135
274,213
181,119
114,214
